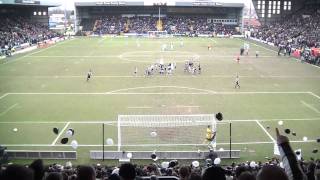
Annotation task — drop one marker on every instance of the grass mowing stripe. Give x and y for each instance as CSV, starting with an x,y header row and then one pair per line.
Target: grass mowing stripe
x,y
64,128
269,135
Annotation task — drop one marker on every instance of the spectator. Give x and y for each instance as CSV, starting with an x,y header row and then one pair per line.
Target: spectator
x,y
273,172
54,176
17,172
214,172
184,172
38,169
127,172
86,173
246,176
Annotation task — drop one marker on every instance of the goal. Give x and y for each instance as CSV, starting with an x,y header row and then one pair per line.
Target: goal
x,y
163,130
157,34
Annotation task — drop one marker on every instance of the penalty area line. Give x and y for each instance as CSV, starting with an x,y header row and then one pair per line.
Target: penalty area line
x,y
8,109
61,132
3,96
314,95
268,134
309,106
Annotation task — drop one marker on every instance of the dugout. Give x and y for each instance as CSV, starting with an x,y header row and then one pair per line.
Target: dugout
x,y
228,12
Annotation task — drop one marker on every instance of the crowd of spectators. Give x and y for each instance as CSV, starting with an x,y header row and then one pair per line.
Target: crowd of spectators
x,y
172,24
15,31
153,171
302,29
289,168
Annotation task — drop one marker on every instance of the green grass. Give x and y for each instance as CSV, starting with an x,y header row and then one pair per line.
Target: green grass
x,y
47,88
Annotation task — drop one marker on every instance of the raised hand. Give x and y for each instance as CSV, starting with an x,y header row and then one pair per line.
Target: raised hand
x,y
281,138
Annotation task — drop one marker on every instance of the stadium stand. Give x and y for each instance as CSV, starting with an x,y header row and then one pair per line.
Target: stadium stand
x,y
297,30
23,24
172,24
179,18
15,31
292,27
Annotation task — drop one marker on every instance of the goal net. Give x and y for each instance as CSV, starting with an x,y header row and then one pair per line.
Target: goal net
x,y
164,130
157,34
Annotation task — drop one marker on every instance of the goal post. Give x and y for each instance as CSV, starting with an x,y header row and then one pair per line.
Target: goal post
x,y
164,130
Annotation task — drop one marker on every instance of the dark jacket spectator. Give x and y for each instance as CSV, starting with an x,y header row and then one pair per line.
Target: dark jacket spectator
x,y
86,173
17,172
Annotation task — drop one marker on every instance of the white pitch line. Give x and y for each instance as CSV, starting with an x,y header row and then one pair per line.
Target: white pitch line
x,y
310,106
269,135
185,106
114,122
148,145
142,55
116,92
139,107
28,55
3,96
61,132
257,45
313,94
175,76
9,109
214,41
276,51
315,66
151,87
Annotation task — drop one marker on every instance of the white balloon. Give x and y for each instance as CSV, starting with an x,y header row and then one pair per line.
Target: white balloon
x,y
195,163
129,155
153,134
280,123
156,159
281,165
109,141
74,144
305,138
165,164
217,161
69,133
252,164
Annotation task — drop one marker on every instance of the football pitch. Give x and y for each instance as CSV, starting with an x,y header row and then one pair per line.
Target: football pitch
x,y
47,88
